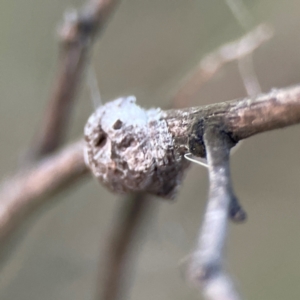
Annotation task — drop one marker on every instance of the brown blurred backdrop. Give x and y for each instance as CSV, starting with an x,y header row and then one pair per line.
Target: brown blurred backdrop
x,y
147,47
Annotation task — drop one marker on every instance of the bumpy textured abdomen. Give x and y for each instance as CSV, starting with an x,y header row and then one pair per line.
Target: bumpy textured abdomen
x,y
130,149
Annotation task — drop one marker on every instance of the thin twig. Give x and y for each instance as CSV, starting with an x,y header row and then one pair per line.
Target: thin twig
x,y
210,64
28,188
241,13
245,64
119,256
247,72
206,269
77,36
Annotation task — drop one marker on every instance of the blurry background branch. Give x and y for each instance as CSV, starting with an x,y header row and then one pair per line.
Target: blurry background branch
x,y
77,35
121,254
22,193
214,61
245,63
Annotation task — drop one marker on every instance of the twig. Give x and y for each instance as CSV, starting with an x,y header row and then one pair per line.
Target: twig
x,y
77,36
239,118
241,13
212,135
28,188
206,269
210,64
245,64
115,276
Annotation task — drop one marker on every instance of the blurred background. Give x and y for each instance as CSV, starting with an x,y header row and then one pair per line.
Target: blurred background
x,y
146,49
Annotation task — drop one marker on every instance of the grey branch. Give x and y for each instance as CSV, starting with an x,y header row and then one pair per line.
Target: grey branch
x,y
239,118
206,269
77,35
213,62
121,253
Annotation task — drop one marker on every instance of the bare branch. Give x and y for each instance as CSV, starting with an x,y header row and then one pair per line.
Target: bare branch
x,y
115,276
28,188
239,118
77,36
212,63
206,269
245,64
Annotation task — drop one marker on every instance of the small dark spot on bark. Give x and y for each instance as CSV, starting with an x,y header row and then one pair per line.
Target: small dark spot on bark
x,y
100,141
127,142
195,140
236,212
113,154
86,24
118,124
118,172
124,165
